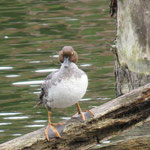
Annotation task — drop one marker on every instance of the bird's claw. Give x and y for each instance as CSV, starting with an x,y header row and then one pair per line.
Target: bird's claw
x,y
51,126
84,115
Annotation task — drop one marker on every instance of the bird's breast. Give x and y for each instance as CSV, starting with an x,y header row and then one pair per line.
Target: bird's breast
x,y
68,91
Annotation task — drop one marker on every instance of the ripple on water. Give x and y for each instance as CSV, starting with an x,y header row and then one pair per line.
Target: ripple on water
x,y
38,121
17,134
37,92
5,37
38,112
34,62
103,98
46,70
98,145
5,123
34,125
6,68
35,85
86,65
66,118
55,56
72,19
16,118
28,82
85,99
10,113
106,142
12,76
2,130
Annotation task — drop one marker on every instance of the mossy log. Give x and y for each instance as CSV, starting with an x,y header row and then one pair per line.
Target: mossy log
x,y
132,68
110,119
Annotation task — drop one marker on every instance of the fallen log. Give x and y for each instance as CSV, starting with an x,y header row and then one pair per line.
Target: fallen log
x,y
136,138
138,143
110,119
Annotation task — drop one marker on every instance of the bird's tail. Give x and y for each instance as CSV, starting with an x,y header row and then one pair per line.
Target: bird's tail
x,y
39,103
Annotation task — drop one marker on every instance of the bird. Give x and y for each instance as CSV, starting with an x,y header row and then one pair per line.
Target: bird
x,y
64,87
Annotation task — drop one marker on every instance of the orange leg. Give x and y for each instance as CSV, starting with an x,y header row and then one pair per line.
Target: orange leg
x,y
80,111
51,125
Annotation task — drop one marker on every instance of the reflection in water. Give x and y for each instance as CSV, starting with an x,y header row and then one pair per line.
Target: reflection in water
x,y
6,68
106,142
32,33
34,125
35,85
32,62
37,92
85,99
65,118
98,146
5,123
12,76
16,118
46,70
55,56
38,121
6,37
28,82
86,65
17,134
9,114
103,98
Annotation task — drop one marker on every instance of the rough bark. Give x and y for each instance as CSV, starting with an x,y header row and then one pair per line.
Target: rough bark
x,y
110,119
137,143
132,67
137,137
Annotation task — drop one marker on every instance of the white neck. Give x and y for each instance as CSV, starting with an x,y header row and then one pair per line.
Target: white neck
x,y
71,66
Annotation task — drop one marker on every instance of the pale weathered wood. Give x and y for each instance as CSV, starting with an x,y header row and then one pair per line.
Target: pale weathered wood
x,y
136,138
137,143
132,68
110,119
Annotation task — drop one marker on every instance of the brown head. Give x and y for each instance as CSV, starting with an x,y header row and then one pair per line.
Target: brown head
x,y
67,55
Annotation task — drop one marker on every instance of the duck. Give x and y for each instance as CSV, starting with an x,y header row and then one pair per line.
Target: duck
x,y
64,87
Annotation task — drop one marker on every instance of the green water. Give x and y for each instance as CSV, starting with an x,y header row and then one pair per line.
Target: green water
x,y
31,34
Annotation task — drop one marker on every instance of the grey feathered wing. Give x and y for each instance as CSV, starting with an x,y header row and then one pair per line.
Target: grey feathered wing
x,y
45,86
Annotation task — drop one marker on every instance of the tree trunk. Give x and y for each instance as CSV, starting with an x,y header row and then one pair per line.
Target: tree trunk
x,y
132,68
110,119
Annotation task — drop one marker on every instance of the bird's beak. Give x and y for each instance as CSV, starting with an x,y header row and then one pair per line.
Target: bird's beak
x,y
66,62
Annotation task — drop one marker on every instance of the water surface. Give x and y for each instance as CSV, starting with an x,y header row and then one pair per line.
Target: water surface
x,y
31,34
